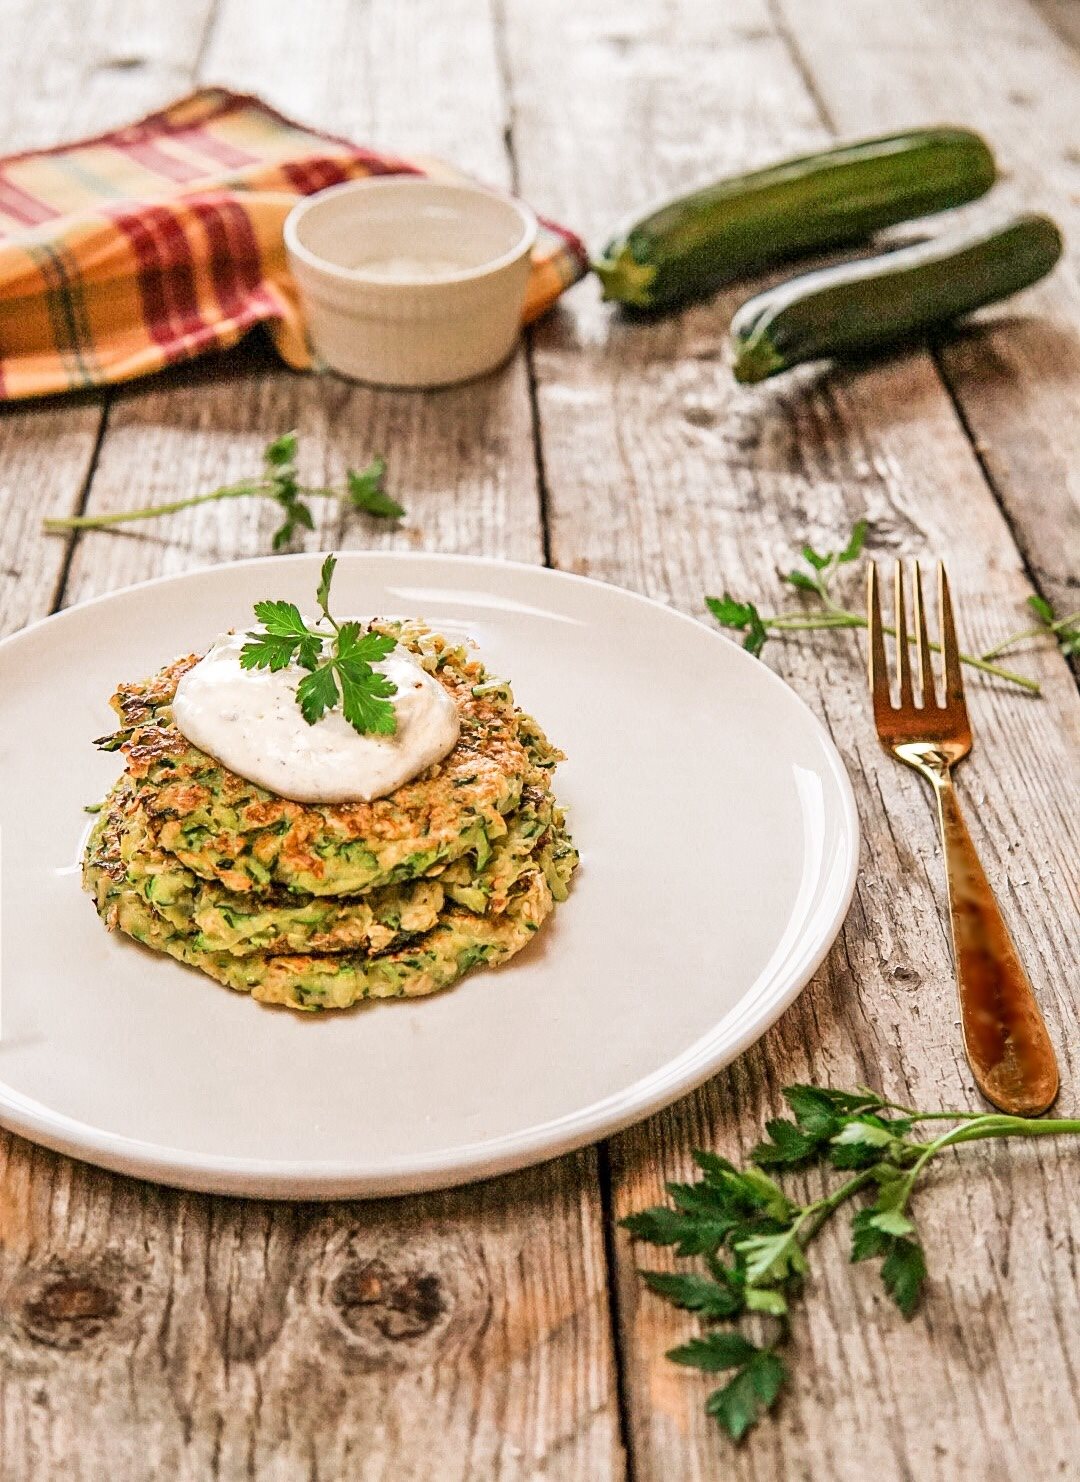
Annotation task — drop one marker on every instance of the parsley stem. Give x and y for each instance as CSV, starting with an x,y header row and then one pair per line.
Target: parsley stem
x,y
938,1116
823,1209
790,623
121,517
975,1127
839,617
998,1124
988,1125
1039,631
58,525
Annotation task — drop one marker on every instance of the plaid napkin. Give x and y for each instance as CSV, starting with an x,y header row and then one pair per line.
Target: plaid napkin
x,y
148,245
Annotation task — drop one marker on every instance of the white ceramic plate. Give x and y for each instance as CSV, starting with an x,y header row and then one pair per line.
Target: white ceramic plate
x,y
719,843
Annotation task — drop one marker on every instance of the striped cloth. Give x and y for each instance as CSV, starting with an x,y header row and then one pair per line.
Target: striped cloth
x,y
148,245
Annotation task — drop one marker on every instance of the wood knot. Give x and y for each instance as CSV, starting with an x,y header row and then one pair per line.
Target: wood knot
x,y
402,1302
699,415
65,1310
399,1305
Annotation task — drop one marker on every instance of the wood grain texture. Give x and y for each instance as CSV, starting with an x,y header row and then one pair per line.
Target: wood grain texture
x,y
664,476
1063,18
148,1333
145,1332
1014,371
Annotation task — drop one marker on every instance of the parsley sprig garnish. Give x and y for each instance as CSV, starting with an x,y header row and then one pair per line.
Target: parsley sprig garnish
x,y
363,490
339,662
749,1241
815,579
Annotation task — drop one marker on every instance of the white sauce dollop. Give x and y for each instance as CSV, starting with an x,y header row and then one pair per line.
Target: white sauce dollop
x,y
248,719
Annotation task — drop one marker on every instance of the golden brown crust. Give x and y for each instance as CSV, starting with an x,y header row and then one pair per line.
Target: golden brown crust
x,y
224,827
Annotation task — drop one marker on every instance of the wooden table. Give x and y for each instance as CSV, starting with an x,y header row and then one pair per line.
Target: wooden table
x,y
500,1331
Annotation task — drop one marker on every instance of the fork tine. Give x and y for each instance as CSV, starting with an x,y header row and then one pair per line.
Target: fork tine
x,y
903,658
954,681
879,672
922,644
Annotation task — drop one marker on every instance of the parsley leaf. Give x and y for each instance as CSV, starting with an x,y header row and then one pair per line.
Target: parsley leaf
x,y
741,616
695,1293
817,1110
815,579
867,1241
759,1377
787,1147
282,451
317,693
853,550
356,647
1065,631
903,1271
771,1259
873,1134
286,637
692,1235
282,483
746,1397
766,1299
341,676
365,700
815,559
714,1167
800,579
265,651
824,563
746,1215
903,1268
714,1353
367,491
281,619
322,591
892,1222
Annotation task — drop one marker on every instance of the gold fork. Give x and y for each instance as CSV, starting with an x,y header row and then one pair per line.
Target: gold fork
x,y
1006,1041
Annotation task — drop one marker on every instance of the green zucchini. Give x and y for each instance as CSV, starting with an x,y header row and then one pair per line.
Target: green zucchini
x,y
860,306
687,248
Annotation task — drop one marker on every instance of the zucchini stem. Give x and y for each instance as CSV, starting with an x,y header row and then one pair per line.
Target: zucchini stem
x,y
624,279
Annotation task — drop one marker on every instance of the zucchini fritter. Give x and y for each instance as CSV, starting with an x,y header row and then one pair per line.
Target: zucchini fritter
x,y
322,905
225,828
123,853
459,941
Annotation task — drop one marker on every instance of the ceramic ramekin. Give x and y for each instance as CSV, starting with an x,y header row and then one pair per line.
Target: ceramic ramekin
x,y
406,281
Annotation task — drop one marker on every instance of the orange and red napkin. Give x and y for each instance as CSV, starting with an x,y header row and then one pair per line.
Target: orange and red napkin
x,y
148,245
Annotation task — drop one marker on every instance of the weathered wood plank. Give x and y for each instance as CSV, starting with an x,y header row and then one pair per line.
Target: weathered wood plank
x,y
1015,371
62,73
464,1336
1063,18
664,476
45,458
74,67
461,459
145,1332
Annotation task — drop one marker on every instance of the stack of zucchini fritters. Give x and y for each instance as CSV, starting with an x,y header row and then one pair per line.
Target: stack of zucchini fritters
x,y
320,905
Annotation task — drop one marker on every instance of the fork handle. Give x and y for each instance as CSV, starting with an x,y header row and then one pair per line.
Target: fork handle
x,y
1006,1041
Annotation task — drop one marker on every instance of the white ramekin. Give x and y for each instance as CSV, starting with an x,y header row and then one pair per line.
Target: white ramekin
x,y
410,329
